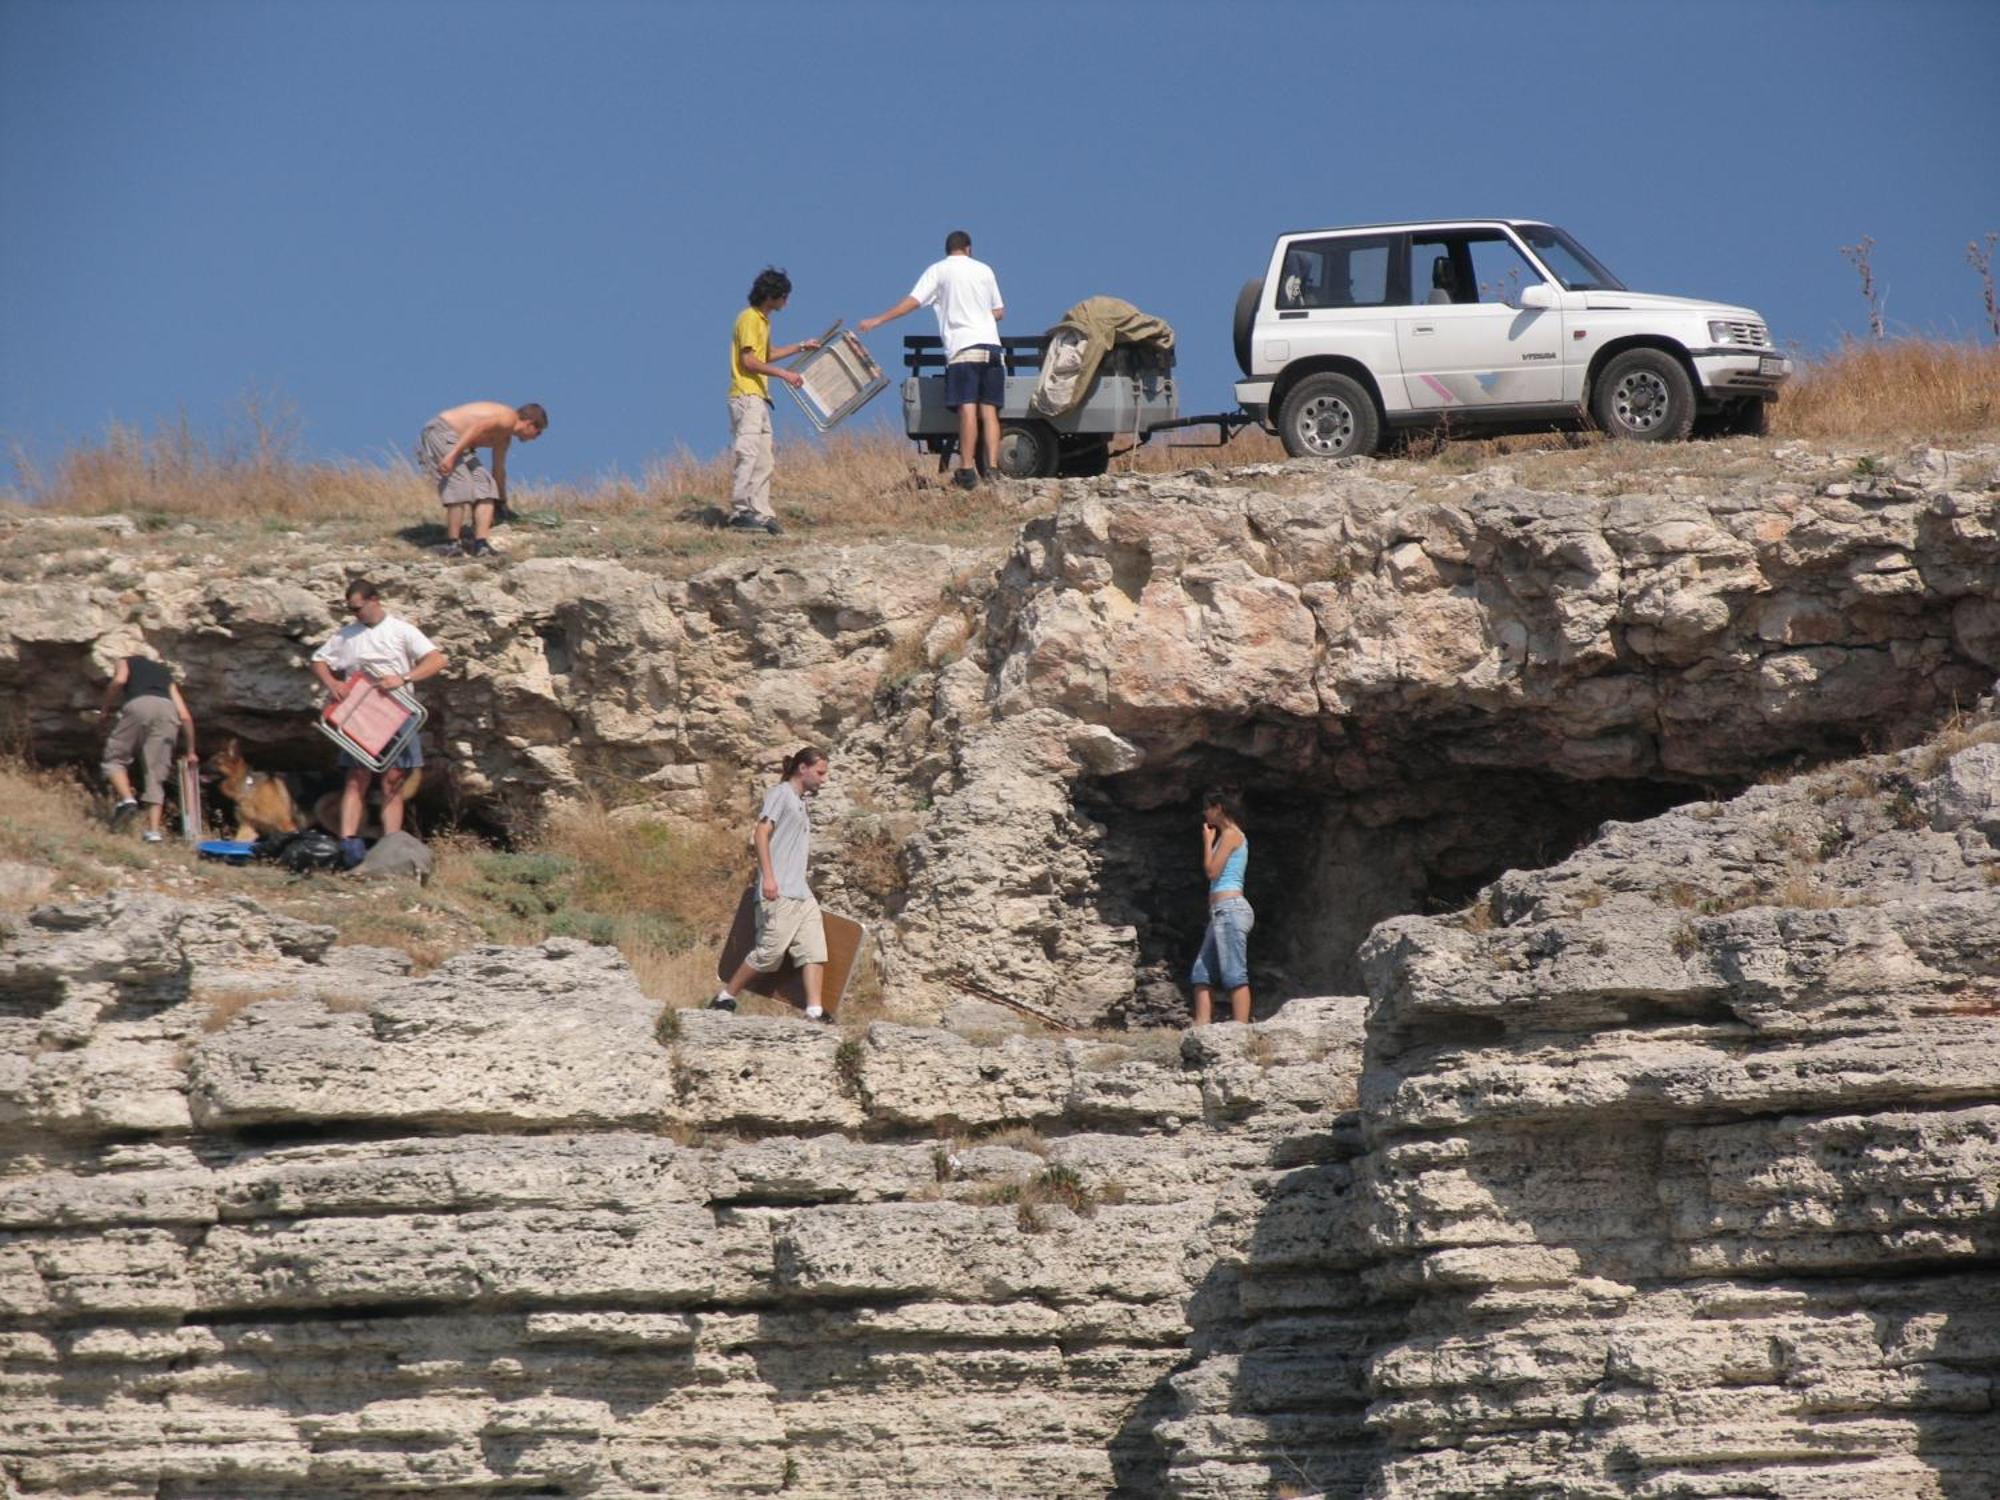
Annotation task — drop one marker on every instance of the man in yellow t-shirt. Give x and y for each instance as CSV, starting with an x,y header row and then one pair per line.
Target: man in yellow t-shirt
x,y
750,356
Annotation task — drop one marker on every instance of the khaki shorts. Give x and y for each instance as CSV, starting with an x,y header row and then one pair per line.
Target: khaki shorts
x,y
788,925
146,728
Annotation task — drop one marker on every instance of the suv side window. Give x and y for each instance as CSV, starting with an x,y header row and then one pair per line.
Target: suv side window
x,y
1351,271
1469,265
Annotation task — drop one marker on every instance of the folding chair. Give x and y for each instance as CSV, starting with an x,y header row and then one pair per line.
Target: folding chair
x,y
372,723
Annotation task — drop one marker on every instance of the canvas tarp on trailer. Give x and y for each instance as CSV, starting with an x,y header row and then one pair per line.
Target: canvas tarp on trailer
x,y
1080,340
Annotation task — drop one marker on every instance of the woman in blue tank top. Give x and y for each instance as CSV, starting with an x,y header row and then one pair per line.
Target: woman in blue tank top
x,y
1225,947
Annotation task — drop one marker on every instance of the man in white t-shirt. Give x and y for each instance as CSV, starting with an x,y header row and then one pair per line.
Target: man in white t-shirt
x,y
788,915
966,298
394,653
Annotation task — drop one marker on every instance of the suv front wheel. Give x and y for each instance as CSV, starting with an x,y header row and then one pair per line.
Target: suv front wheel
x,y
1328,416
1645,395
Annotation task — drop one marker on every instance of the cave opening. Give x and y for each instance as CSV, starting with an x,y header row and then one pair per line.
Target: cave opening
x,y
1329,861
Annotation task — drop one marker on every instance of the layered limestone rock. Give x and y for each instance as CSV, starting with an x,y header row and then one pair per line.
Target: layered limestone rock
x,y
277,1219
1683,1174
1673,1169
562,671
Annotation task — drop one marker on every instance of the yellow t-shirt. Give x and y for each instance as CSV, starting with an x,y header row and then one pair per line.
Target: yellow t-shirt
x,y
752,332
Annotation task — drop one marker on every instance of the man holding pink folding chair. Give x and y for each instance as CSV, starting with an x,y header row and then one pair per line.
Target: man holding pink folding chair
x,y
379,653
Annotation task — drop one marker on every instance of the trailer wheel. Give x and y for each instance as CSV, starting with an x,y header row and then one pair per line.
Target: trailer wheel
x,y
1084,459
1328,416
1027,450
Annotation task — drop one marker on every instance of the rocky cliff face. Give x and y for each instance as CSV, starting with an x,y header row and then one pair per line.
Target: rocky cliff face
x,y
1671,1170
1425,681
280,1220
1682,1174
1661,1159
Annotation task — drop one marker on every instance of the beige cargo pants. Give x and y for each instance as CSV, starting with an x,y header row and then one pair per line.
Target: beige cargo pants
x,y
750,441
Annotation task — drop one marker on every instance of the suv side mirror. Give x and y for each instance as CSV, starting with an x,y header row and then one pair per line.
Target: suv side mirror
x,y
1540,295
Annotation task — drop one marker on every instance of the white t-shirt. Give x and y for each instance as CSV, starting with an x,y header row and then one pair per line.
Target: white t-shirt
x,y
392,646
964,293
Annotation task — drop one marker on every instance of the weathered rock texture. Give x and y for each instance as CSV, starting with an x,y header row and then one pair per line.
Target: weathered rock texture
x,y
277,1219
1424,682
1421,688
1683,1170
1673,1170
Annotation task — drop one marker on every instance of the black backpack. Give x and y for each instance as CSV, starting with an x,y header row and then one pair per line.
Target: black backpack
x,y
313,850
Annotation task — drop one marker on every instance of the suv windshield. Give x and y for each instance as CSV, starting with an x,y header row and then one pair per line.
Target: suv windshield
x,y
1575,267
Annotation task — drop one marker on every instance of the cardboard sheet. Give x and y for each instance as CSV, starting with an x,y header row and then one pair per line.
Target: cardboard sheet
x,y
843,946
191,799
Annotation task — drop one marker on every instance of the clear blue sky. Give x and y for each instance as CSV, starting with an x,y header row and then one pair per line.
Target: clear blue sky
x,y
377,208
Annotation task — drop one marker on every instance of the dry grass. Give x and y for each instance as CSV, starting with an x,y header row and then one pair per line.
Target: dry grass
x,y
253,473
1030,1196
869,482
1159,1046
52,821
1960,732
225,1006
255,480
1902,387
663,893
1014,1138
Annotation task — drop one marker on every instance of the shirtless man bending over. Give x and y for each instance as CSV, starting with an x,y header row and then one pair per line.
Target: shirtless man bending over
x,y
448,448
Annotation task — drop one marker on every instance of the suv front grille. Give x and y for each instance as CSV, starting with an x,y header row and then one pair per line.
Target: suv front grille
x,y
1754,335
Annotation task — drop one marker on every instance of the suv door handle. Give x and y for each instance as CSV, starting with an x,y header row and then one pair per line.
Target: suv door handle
x,y
1291,315
1424,328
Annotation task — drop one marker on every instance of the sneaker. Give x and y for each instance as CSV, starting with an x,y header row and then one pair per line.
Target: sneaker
x,y
965,479
814,1013
352,852
452,549
153,836
744,521
482,548
723,1001
771,525
124,812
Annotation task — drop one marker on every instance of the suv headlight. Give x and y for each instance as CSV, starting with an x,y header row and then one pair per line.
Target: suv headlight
x,y
1720,331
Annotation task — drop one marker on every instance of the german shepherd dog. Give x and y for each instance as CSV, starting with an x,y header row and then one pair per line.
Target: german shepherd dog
x,y
263,802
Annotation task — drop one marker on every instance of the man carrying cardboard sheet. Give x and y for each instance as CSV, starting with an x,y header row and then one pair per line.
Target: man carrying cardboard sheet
x,y
789,923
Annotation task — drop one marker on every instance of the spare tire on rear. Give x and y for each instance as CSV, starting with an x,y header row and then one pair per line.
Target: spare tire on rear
x,y
1246,315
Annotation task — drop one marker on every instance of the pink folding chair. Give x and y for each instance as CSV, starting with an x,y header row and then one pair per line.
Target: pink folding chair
x,y
372,723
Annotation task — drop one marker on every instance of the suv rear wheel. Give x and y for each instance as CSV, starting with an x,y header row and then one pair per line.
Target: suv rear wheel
x,y
1645,395
1328,416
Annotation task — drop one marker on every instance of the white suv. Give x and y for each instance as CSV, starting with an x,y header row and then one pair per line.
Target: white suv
x,y
1484,324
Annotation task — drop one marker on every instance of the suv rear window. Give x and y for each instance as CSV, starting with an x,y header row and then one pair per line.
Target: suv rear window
x,y
1352,271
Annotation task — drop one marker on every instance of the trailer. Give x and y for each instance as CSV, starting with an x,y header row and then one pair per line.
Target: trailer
x,y
1133,397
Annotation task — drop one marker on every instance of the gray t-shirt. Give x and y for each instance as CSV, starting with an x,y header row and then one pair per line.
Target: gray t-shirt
x,y
791,832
